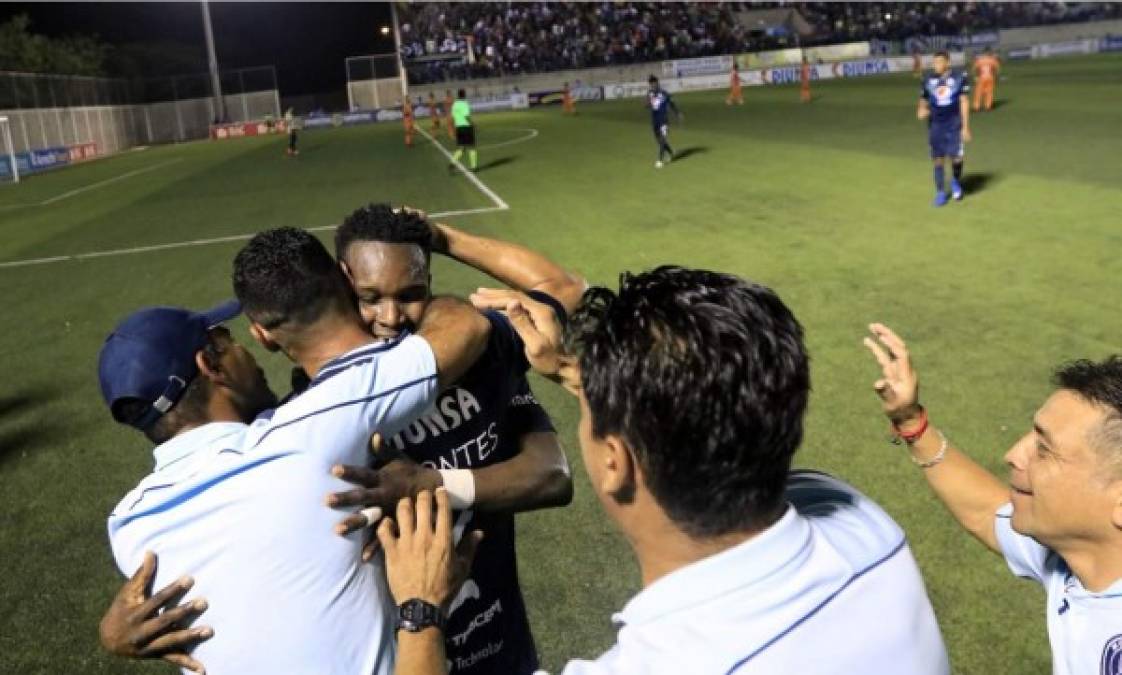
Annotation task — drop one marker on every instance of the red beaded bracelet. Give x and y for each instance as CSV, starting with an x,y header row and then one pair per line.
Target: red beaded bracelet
x,y
913,436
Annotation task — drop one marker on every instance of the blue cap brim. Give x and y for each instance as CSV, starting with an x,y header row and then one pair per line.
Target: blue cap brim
x,y
222,313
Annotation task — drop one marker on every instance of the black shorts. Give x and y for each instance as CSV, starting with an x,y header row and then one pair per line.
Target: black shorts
x,y
465,136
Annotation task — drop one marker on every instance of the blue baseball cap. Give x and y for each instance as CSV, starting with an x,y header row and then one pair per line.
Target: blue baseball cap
x,y
151,356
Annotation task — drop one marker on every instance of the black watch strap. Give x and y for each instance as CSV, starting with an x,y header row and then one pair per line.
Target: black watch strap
x,y
415,615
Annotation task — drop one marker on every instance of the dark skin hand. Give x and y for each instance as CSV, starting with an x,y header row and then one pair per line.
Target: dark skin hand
x,y
396,477
137,626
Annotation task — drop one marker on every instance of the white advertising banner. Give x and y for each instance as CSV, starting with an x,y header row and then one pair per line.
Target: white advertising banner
x,y
842,52
707,65
781,75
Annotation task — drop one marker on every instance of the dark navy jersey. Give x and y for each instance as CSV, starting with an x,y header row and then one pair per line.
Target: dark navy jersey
x,y
475,423
659,103
942,96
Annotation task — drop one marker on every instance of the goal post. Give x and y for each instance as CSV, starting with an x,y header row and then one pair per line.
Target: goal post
x,y
9,168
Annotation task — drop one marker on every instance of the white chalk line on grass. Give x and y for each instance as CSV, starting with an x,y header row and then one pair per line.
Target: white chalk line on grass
x,y
202,242
497,200
92,186
531,135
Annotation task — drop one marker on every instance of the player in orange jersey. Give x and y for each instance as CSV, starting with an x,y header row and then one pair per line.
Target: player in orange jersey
x,y
434,113
804,82
568,105
407,120
448,101
986,67
735,96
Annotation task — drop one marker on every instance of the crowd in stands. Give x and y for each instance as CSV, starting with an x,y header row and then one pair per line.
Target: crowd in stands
x,y
842,22
451,41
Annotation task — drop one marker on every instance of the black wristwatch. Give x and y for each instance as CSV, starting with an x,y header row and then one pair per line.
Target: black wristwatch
x,y
415,615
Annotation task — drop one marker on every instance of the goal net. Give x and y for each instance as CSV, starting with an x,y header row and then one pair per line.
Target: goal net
x,y
9,170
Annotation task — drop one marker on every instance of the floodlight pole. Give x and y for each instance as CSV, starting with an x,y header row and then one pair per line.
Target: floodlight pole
x,y
212,59
397,53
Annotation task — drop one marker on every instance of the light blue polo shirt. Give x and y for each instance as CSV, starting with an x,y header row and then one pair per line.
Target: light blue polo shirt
x,y
831,589
241,509
1084,628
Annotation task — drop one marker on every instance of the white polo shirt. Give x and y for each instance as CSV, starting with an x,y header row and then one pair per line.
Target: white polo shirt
x,y
1084,628
241,509
831,588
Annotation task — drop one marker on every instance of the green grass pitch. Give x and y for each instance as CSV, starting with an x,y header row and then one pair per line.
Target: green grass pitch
x,y
829,203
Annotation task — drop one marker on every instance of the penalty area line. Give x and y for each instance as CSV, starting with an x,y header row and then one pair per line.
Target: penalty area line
x,y
92,186
203,242
480,185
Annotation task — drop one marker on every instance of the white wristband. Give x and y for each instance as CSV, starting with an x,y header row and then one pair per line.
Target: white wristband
x,y
460,484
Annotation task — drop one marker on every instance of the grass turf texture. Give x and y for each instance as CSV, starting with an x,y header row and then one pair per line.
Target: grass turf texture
x,y
828,203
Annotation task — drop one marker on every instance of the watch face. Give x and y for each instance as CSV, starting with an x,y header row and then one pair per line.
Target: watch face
x,y
415,615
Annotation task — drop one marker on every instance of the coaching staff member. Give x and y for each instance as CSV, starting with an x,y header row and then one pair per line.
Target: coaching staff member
x,y
1059,522
692,388
235,498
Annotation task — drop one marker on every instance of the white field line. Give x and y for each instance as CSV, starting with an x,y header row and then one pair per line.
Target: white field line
x,y
92,186
497,200
201,242
533,133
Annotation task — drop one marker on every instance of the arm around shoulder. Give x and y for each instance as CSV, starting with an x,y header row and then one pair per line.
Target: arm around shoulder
x,y
457,334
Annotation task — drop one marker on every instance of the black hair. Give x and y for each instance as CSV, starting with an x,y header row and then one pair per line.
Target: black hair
x,y
379,222
704,375
286,275
1099,383
189,410
943,53
462,93
652,79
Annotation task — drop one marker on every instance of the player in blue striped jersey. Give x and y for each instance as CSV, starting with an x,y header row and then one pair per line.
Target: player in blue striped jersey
x,y
945,103
660,104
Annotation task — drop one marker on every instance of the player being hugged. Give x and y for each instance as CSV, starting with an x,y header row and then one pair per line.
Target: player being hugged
x,y
660,103
944,102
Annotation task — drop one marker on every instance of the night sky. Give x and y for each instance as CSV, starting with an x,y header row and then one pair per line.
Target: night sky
x,y
307,42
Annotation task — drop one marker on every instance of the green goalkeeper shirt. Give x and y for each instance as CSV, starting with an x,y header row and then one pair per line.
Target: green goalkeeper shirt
x,y
461,113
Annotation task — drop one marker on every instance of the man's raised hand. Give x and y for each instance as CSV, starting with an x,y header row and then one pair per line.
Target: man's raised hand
x,y
898,386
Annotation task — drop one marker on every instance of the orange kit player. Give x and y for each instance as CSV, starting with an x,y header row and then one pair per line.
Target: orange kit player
x,y
804,82
448,101
986,68
568,105
407,120
434,113
735,95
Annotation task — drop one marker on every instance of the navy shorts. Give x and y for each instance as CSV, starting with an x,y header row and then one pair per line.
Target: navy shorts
x,y
660,129
946,140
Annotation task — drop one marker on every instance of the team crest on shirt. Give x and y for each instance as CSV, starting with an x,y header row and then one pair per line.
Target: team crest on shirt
x,y
1111,663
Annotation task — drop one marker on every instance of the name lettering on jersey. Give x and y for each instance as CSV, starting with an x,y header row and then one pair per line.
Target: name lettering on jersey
x,y
482,619
454,407
1111,662
467,455
490,650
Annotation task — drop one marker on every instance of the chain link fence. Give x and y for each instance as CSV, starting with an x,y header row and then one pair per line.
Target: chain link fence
x,y
373,81
52,111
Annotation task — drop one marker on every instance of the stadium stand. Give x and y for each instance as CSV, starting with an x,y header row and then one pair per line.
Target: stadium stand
x,y
443,41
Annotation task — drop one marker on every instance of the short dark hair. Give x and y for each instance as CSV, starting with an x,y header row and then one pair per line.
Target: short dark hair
x,y
462,93
652,79
706,378
1099,383
943,53
379,222
286,275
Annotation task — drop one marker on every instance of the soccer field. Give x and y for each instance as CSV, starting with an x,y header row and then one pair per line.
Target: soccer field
x,y
828,203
